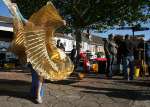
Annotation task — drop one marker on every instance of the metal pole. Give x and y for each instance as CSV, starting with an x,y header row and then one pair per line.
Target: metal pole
x,y
133,31
144,52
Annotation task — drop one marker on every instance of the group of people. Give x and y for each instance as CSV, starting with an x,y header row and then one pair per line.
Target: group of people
x,y
60,45
123,53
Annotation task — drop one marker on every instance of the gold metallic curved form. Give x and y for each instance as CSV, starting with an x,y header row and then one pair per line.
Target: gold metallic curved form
x,y
36,40
17,45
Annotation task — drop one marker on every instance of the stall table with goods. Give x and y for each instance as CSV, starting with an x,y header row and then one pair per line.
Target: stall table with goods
x,y
100,65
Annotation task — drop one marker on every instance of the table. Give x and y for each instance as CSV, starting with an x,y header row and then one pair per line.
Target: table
x,y
101,64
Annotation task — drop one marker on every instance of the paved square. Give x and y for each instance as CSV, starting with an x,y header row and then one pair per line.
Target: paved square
x,y
92,91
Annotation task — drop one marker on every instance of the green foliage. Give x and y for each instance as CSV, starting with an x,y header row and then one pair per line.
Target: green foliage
x,y
99,54
28,7
93,13
102,13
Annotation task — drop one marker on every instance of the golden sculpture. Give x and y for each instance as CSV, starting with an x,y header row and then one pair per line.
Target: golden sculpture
x,y
33,42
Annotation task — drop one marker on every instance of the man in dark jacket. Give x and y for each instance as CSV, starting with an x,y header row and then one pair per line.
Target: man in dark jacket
x,y
73,55
128,58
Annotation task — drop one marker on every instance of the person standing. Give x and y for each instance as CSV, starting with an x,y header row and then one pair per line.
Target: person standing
x,y
58,43
148,55
119,54
128,58
112,50
73,55
62,47
37,89
37,81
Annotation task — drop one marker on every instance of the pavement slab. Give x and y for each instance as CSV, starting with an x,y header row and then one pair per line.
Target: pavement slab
x,y
91,91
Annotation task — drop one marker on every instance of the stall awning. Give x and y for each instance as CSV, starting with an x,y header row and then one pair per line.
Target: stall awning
x,y
4,28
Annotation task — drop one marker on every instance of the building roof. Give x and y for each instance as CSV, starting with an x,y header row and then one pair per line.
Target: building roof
x,y
5,19
6,24
92,39
62,35
85,37
97,40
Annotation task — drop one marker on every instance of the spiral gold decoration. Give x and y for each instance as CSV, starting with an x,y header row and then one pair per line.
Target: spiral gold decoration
x,y
34,43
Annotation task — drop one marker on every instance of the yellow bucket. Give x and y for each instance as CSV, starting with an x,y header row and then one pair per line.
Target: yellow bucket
x,y
95,67
136,72
81,75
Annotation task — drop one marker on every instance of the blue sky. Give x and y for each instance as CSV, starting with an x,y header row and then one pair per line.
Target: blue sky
x,y
124,32
4,12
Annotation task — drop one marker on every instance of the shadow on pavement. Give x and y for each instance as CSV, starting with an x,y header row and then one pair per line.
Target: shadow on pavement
x,y
145,83
15,88
70,80
118,93
63,82
17,70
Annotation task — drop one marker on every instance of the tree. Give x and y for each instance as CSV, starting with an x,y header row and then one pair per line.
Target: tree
x,y
94,14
